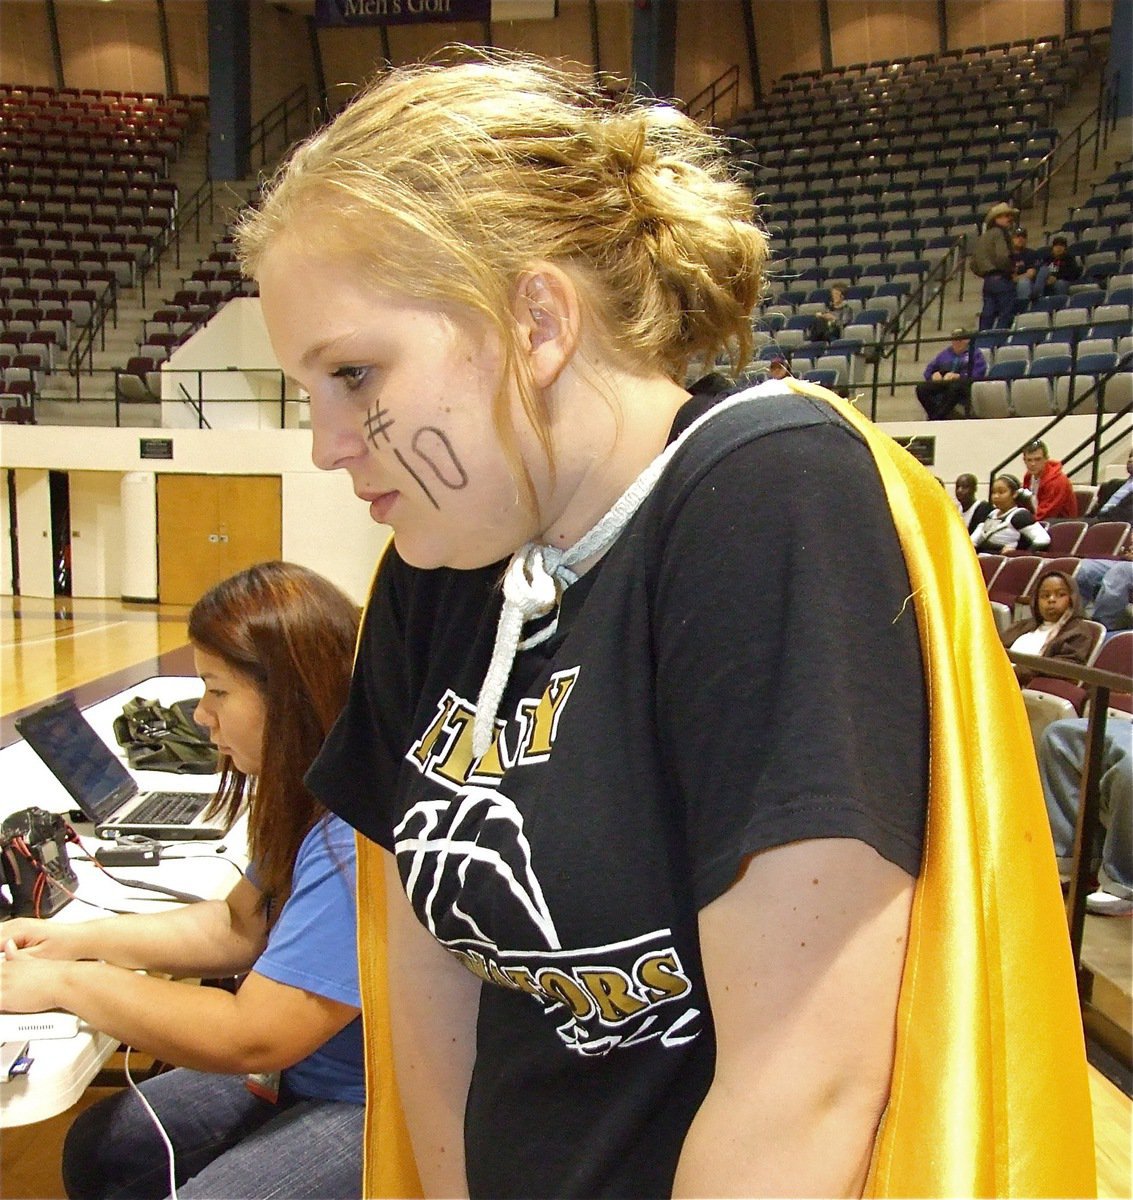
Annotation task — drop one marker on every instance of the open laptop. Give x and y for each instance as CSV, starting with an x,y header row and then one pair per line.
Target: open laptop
x,y
102,787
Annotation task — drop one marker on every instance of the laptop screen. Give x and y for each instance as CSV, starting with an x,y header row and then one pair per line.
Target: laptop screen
x,y
78,757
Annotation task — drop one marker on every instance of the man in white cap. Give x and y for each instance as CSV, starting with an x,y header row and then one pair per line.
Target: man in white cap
x,y
992,259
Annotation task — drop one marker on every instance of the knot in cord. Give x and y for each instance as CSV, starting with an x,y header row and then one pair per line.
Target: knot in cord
x,y
534,582
537,576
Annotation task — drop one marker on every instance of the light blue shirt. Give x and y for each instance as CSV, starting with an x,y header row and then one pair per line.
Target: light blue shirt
x,y
314,946
1117,497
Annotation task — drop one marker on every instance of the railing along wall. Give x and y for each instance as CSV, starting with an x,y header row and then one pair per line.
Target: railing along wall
x,y
1067,152
708,103
199,403
1111,429
1098,686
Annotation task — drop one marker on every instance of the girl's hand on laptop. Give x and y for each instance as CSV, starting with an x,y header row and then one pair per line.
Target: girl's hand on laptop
x,y
27,983
42,939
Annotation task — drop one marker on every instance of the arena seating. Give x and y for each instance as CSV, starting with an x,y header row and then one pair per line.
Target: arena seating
x,y
85,204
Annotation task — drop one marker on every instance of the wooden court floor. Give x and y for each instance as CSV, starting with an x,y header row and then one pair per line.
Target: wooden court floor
x,y
96,647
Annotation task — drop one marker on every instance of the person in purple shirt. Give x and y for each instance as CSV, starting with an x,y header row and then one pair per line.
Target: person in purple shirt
x,y
948,378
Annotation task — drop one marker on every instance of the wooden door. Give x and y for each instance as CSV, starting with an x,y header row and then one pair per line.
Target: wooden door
x,y
210,526
248,520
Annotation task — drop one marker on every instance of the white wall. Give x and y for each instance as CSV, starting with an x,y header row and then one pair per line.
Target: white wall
x,y
313,502
97,533
228,363
317,534
33,507
958,449
138,518
5,540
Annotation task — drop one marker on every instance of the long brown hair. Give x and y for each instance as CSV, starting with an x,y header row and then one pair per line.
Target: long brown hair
x,y
292,633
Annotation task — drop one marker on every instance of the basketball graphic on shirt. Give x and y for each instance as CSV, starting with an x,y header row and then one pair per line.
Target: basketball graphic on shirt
x,y
473,842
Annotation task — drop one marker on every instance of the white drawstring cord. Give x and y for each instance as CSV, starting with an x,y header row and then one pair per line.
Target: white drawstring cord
x,y
538,575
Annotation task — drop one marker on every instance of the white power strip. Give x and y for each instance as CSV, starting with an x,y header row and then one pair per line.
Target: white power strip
x,y
31,1026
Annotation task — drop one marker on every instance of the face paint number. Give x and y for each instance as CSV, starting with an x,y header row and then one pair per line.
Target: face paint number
x,y
429,444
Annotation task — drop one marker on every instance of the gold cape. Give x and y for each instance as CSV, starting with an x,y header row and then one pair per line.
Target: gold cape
x,y
990,1095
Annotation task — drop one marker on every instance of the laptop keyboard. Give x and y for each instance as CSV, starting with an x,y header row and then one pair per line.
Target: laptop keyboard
x,y
168,808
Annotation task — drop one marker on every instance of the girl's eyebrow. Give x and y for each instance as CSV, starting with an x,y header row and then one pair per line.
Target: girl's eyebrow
x,y
319,348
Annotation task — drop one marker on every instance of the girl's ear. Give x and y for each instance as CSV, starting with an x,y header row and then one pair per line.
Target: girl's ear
x,y
548,315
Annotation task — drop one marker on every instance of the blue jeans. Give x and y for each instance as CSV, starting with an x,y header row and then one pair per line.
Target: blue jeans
x,y
1027,290
998,302
226,1142
1062,754
1109,584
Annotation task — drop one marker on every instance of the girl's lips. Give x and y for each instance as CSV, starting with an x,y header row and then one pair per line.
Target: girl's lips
x,y
381,505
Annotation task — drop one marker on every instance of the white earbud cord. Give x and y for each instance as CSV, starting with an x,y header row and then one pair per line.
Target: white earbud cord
x,y
538,575
160,1128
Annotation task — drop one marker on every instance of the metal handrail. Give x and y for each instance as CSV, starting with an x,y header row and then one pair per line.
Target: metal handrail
x,y
278,117
1098,685
894,334
198,402
1103,424
1040,177
106,303
703,105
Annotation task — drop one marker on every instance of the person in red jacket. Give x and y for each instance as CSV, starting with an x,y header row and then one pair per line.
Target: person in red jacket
x,y
1048,483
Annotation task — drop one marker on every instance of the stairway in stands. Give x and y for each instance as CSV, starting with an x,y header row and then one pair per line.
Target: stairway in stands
x,y
57,404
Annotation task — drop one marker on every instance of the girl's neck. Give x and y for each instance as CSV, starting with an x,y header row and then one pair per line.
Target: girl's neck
x,y
607,427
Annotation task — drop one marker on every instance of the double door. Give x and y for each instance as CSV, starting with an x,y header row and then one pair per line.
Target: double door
x,y
210,527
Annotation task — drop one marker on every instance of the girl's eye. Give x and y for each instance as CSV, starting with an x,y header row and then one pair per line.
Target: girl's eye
x,y
219,695
352,377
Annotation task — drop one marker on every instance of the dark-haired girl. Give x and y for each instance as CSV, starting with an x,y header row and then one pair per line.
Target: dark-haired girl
x,y
1012,524
274,1070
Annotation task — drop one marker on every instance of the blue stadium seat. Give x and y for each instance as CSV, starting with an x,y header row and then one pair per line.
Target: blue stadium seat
x,y
1051,303
1096,364
1014,368
1108,329
1026,337
872,316
1051,365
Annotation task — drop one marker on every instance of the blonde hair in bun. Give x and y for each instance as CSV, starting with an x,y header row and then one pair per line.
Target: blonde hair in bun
x,y
446,180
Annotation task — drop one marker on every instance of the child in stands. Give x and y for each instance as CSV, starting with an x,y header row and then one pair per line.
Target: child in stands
x,y
1012,525
1056,628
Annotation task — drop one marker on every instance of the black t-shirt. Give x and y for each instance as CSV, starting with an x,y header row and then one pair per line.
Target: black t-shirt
x,y
741,670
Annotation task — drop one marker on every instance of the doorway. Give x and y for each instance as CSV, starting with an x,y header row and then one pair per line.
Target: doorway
x,y
211,526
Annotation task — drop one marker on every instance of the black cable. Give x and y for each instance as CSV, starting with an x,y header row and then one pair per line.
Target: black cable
x,y
186,897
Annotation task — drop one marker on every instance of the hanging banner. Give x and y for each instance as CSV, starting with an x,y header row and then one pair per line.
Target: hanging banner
x,y
399,12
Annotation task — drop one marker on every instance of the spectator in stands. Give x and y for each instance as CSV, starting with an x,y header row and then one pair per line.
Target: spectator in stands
x,y
1011,524
948,378
779,368
1055,628
992,261
1114,501
1058,268
973,511
827,324
1107,585
1062,759
1025,265
1048,484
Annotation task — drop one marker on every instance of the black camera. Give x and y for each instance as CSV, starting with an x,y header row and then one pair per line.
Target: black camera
x,y
33,848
